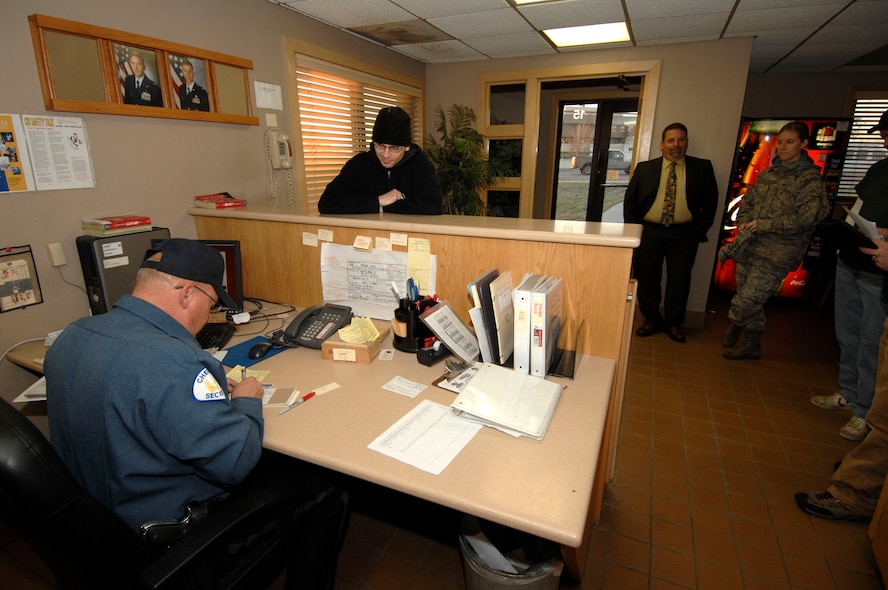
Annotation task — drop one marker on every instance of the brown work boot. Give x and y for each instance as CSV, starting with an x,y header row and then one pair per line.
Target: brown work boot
x,y
732,335
751,348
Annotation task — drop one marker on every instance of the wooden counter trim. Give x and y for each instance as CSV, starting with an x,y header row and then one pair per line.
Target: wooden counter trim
x,y
616,235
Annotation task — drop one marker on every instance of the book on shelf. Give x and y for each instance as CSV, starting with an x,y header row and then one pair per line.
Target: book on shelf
x,y
521,303
503,315
218,201
481,295
545,318
116,225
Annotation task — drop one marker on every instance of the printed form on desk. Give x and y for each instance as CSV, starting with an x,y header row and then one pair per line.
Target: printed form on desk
x,y
427,437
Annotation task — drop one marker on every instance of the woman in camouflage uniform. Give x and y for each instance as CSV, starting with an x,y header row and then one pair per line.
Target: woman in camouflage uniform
x,y
776,219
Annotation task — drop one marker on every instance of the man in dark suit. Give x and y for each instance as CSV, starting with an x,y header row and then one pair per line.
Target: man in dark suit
x,y
139,88
191,96
674,198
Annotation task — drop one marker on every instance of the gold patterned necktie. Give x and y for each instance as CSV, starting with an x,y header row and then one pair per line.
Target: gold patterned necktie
x,y
669,201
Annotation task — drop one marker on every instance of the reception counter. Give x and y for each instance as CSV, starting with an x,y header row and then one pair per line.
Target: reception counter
x,y
593,259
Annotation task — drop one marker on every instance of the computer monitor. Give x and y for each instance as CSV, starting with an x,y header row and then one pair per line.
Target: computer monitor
x,y
233,278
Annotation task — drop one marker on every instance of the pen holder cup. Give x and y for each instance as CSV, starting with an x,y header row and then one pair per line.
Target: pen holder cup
x,y
416,334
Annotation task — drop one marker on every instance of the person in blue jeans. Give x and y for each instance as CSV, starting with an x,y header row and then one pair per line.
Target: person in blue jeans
x,y
860,312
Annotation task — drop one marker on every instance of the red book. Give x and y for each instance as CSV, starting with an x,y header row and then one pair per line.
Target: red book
x,y
218,201
116,222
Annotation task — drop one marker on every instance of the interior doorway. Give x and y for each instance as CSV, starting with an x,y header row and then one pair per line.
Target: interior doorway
x,y
594,148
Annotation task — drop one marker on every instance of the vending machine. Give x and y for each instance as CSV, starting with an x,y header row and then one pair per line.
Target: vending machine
x,y
756,148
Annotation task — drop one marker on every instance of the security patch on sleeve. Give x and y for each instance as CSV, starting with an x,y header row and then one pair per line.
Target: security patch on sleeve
x,y
206,388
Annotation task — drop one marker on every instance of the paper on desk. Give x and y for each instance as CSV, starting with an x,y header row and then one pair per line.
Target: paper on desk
x,y
35,393
235,374
404,386
427,437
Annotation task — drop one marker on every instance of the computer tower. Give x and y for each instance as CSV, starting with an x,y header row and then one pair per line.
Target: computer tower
x,y
110,264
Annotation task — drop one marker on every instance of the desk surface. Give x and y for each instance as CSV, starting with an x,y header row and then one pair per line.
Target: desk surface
x,y
29,355
541,487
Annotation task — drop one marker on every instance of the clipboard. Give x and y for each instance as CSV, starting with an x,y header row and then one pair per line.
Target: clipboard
x,y
849,238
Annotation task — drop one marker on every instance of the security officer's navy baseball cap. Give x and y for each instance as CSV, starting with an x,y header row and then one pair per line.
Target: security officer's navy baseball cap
x,y
191,260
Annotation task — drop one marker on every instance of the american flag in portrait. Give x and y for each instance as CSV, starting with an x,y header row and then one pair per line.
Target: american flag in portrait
x,y
176,77
121,54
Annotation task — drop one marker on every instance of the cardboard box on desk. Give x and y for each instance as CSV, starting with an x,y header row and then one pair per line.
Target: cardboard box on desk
x,y
334,349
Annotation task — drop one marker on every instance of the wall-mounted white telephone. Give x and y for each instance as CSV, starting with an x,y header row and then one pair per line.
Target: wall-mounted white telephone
x,y
281,152
279,156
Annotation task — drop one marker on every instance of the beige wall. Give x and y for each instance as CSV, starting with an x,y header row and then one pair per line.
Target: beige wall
x,y
144,165
701,84
806,95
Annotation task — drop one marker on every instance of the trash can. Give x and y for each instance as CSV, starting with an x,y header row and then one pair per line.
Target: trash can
x,y
539,562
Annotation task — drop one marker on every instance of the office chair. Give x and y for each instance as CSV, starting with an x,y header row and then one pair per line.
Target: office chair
x,y
87,546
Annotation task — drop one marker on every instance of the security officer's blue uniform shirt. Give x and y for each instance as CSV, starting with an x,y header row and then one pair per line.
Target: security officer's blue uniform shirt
x,y
139,413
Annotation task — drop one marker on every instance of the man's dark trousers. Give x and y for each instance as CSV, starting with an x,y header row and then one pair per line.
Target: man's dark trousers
x,y
677,245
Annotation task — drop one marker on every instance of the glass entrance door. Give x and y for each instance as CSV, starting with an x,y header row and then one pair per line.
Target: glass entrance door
x,y
596,140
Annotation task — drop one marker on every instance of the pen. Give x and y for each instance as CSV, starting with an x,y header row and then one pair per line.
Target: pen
x,y
297,402
395,289
243,374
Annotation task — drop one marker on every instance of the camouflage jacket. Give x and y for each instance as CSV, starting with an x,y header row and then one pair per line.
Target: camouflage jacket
x,y
787,203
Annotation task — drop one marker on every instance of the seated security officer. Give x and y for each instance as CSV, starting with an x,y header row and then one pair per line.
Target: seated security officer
x,y
147,422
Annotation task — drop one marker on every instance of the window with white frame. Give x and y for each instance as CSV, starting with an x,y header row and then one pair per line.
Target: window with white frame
x,y
337,108
864,149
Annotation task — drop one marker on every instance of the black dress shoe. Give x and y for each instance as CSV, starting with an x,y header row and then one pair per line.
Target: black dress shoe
x,y
675,334
647,329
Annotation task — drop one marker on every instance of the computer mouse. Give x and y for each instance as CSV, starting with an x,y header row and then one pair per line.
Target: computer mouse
x,y
259,350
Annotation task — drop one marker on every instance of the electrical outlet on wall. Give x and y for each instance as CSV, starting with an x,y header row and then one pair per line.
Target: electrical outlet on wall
x,y
56,254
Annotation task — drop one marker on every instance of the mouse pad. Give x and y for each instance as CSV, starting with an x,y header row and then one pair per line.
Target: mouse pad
x,y
237,355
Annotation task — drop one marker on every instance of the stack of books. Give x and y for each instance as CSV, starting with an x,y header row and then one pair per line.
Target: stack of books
x,y
218,201
116,225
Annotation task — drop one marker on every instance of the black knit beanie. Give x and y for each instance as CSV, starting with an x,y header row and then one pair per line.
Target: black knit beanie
x,y
392,127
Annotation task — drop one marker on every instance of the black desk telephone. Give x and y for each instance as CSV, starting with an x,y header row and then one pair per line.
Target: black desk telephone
x,y
312,326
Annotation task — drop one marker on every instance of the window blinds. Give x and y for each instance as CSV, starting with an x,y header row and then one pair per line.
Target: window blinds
x,y
337,109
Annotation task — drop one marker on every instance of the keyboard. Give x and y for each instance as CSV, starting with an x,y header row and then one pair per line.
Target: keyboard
x,y
215,335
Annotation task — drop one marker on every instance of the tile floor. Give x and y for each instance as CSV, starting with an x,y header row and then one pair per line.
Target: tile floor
x,y
711,452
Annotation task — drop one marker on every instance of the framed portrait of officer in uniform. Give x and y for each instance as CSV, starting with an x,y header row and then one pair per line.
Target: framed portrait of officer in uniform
x,y
188,83
137,75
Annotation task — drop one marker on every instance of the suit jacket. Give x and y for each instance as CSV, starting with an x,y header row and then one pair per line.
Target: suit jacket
x,y
197,101
149,94
701,190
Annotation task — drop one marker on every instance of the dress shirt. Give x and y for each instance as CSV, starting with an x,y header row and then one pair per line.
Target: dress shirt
x,y
682,213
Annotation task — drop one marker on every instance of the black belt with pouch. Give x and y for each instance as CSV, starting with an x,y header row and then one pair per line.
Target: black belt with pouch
x,y
160,534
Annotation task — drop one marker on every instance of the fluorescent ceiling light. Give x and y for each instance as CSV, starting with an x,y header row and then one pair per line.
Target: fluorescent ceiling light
x,y
530,1
588,34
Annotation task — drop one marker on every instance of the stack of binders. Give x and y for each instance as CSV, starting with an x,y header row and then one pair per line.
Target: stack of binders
x,y
538,303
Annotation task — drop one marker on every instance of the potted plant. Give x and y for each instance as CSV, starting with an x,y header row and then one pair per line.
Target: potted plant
x,y
461,161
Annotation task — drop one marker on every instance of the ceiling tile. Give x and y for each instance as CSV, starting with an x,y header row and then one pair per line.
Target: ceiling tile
x,y
365,12
480,24
874,33
649,9
754,21
778,37
498,45
703,26
762,4
435,8
440,52
570,13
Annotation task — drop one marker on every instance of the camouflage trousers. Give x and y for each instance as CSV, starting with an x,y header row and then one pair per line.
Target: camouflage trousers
x,y
755,286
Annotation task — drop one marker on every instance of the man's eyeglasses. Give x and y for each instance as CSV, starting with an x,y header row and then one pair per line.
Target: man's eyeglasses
x,y
392,149
216,305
